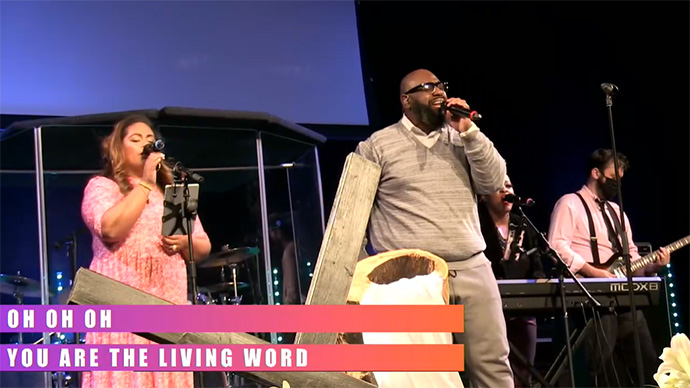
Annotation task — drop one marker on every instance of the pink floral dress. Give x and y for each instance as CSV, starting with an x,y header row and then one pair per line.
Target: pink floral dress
x,y
138,261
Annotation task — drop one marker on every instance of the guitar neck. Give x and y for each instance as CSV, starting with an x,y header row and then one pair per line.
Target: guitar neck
x,y
650,258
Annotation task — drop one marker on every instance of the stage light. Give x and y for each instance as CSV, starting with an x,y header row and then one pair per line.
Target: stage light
x,y
672,305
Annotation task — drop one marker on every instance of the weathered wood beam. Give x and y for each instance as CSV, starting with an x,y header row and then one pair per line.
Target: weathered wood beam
x,y
91,288
342,241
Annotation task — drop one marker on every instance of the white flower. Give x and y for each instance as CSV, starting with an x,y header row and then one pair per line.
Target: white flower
x,y
285,385
674,371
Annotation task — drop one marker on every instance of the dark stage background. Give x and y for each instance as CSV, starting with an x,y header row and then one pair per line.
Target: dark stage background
x,y
533,70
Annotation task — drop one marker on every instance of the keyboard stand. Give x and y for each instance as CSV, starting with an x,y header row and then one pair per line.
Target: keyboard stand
x,y
561,362
530,367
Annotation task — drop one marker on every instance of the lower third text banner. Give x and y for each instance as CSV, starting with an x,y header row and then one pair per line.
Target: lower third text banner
x,y
228,318
306,358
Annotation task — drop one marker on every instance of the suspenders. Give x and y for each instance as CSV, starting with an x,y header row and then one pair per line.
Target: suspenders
x,y
592,234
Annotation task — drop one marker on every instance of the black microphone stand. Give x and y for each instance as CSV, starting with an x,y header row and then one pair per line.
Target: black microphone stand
x,y
189,210
71,243
73,269
610,90
72,254
563,269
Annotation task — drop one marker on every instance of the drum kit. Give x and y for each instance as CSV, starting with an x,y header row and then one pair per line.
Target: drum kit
x,y
227,290
21,287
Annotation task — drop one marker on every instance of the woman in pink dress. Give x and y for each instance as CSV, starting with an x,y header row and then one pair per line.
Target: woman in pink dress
x,y
123,208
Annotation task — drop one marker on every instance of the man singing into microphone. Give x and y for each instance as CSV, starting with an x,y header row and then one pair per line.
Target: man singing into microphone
x,y
575,219
433,164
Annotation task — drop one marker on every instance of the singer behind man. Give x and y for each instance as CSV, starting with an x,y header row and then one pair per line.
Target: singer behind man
x,y
431,164
569,235
512,249
123,208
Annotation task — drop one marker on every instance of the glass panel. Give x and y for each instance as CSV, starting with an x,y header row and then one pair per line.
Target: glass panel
x,y
307,210
229,209
19,249
228,203
71,156
294,218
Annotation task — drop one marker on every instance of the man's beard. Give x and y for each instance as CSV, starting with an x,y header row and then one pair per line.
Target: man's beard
x,y
431,117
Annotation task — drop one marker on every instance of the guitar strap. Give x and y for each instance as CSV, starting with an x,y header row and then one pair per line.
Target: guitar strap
x,y
592,233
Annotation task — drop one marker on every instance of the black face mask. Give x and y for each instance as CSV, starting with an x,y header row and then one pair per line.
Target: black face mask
x,y
608,188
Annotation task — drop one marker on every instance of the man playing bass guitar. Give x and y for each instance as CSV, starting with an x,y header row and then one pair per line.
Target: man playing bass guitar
x,y
584,230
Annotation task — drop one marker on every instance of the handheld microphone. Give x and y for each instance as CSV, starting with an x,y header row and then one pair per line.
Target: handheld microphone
x,y
460,111
156,146
512,198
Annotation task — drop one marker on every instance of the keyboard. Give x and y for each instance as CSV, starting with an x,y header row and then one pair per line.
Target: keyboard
x,y
544,295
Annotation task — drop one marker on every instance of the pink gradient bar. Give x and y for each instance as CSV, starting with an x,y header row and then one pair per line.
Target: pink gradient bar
x,y
225,318
306,358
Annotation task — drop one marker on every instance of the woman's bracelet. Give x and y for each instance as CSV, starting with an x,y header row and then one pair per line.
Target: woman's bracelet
x,y
147,187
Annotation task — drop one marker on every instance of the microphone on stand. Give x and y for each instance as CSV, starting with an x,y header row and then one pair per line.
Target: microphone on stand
x,y
609,89
512,198
178,168
175,166
460,111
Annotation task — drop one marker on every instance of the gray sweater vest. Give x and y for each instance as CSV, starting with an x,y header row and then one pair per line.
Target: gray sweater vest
x,y
427,196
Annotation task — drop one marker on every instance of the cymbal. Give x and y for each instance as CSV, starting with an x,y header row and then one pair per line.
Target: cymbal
x,y
9,284
220,287
230,256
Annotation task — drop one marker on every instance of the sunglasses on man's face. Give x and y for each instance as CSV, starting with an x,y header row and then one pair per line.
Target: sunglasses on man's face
x,y
429,87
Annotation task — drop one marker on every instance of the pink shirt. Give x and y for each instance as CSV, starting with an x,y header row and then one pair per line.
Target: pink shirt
x,y
569,230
